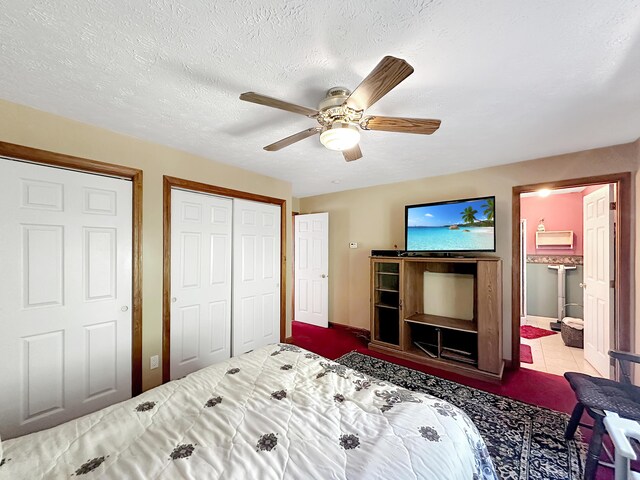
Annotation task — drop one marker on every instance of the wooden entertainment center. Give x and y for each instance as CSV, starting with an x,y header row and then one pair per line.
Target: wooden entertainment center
x,y
408,298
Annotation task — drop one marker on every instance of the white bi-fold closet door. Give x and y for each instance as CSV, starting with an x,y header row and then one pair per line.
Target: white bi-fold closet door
x,y
200,280
225,278
256,275
65,296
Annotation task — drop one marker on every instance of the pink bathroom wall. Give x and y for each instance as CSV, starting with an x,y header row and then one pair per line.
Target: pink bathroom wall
x,y
560,212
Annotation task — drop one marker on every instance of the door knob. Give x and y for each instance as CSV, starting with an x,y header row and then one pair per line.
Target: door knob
x,y
582,285
324,276
124,308
174,299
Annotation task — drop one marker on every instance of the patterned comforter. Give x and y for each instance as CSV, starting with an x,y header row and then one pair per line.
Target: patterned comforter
x,y
276,413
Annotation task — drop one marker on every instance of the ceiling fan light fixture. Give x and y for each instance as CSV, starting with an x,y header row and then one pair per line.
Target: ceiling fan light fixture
x,y
340,136
341,114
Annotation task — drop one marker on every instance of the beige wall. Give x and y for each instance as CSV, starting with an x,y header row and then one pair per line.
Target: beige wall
x,y
374,217
33,128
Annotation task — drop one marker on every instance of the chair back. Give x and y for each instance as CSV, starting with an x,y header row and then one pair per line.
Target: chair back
x,y
625,360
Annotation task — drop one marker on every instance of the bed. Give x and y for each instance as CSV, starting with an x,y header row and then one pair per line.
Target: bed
x,y
279,412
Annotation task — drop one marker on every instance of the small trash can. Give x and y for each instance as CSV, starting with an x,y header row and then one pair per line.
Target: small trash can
x,y
572,332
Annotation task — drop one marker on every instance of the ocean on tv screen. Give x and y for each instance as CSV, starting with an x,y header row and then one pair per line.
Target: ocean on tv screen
x,y
443,238
466,225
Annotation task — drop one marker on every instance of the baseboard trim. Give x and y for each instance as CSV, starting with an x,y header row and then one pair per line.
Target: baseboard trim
x,y
361,332
539,318
349,327
288,340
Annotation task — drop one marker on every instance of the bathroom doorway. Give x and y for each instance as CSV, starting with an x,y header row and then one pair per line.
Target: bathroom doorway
x,y
570,238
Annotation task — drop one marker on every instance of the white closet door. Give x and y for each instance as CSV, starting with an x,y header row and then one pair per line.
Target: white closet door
x,y
65,295
200,281
256,275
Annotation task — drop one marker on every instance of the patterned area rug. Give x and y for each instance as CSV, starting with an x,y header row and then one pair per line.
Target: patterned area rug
x,y
525,442
530,332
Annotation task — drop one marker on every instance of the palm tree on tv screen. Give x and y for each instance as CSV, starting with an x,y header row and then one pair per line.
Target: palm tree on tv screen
x,y
489,208
469,215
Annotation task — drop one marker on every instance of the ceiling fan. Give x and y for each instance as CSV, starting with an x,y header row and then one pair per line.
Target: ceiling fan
x,y
341,114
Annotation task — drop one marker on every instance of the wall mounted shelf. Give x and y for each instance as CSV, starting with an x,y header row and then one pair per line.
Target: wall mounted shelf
x,y
555,239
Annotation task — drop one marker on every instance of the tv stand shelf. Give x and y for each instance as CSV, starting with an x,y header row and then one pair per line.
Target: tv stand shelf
x,y
445,322
443,312
382,305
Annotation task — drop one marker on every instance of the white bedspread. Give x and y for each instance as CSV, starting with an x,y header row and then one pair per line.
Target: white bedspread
x,y
276,413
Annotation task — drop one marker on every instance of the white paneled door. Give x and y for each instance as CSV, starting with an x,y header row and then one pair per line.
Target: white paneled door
x,y
598,273
312,269
65,296
256,275
200,280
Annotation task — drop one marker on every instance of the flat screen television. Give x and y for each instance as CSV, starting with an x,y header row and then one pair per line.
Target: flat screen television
x,y
466,225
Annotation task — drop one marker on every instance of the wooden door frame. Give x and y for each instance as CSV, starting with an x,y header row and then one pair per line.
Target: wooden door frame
x,y
84,165
181,183
293,273
623,250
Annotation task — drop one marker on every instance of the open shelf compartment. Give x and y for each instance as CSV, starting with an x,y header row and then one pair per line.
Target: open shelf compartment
x,y
442,293
555,239
446,322
386,303
441,343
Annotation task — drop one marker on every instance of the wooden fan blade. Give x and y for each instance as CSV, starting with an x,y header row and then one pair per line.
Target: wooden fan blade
x,y
382,79
296,137
354,153
422,126
254,97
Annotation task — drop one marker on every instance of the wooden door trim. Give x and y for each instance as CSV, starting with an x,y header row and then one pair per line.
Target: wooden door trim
x,y
84,165
293,268
623,251
181,183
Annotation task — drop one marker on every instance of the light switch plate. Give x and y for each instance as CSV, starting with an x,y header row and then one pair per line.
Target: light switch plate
x,y
154,362
353,245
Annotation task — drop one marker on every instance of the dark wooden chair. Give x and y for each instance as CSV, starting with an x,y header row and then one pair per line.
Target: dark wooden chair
x,y
599,394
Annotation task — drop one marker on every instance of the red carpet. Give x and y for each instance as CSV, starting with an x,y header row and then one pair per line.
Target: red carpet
x,y
529,332
525,354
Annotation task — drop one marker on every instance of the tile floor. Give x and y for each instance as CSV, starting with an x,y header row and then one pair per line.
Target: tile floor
x,y
551,355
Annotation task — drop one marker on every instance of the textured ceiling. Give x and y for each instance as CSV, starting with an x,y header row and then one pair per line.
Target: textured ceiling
x,y
510,80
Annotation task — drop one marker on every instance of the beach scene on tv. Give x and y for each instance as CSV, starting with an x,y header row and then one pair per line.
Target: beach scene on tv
x,y
465,225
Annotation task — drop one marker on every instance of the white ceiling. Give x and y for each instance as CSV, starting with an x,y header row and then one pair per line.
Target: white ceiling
x,y
510,80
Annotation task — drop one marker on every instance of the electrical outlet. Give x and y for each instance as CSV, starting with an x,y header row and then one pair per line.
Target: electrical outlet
x,y
154,362
353,245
